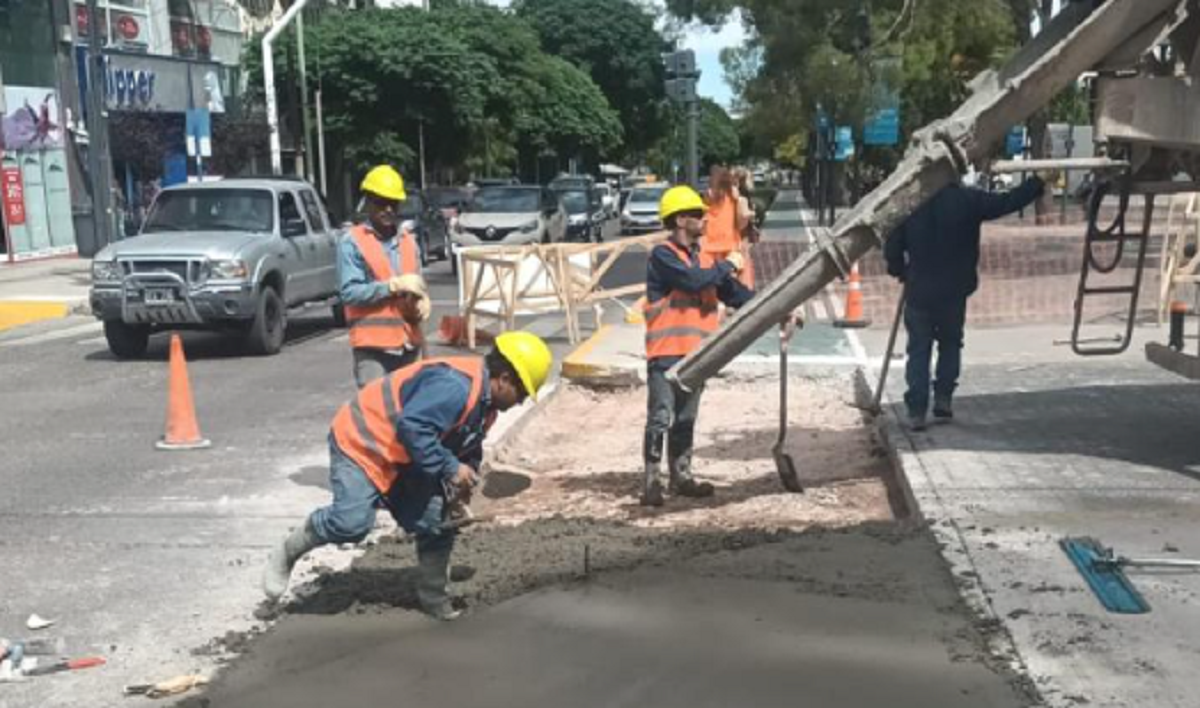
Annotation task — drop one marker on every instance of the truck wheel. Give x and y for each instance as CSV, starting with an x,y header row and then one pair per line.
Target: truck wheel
x,y
126,341
270,324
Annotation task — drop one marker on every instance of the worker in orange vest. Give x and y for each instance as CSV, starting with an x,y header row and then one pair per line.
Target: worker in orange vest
x,y
728,218
413,441
379,268
683,287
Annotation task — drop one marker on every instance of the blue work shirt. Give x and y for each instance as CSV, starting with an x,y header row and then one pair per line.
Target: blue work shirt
x,y
357,286
666,272
935,251
432,403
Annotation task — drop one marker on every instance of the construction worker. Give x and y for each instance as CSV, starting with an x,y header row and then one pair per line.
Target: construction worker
x,y
379,268
412,441
935,252
683,287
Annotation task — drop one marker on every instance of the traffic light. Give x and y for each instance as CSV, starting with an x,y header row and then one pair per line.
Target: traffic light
x,y
681,90
680,64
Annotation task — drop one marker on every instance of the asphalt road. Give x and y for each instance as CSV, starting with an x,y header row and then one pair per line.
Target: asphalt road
x,y
144,556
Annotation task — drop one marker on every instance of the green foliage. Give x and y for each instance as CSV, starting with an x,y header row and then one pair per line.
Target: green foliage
x,y
717,140
1072,106
616,44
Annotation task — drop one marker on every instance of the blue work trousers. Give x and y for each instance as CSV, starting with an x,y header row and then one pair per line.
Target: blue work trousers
x,y
942,324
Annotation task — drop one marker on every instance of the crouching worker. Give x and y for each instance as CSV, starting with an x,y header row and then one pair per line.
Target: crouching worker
x,y
683,289
412,442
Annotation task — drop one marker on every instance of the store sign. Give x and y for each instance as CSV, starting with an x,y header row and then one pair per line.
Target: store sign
x,y
128,88
13,197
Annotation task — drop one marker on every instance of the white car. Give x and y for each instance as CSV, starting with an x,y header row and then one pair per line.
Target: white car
x,y
509,216
640,214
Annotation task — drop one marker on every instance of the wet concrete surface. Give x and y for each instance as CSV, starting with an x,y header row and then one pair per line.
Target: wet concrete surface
x,y
865,616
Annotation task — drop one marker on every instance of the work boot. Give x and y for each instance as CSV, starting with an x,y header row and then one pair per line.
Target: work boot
x,y
283,558
916,421
652,451
679,461
433,579
941,406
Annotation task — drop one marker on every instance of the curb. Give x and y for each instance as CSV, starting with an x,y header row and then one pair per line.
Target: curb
x,y
16,313
578,369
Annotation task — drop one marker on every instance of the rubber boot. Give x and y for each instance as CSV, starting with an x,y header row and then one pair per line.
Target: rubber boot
x,y
679,460
433,579
652,452
283,558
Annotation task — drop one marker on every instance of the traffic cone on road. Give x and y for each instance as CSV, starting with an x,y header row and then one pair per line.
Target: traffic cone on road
x,y
854,317
183,433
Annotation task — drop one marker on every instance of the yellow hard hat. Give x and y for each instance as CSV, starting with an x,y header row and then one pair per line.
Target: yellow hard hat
x,y
529,357
384,181
678,199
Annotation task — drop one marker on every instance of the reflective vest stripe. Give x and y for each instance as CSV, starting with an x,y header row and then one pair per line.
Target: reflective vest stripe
x,y
677,323
365,428
382,325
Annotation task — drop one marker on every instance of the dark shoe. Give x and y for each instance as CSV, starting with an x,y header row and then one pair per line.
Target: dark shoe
x,y
916,422
652,495
942,408
692,488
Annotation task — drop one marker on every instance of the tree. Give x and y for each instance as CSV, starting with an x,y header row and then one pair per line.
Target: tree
x,y
616,44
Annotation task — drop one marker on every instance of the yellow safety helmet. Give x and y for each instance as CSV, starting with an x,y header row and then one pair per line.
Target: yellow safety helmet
x,y
529,357
679,199
384,181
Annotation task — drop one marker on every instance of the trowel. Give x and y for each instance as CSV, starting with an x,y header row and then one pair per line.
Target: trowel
x,y
784,464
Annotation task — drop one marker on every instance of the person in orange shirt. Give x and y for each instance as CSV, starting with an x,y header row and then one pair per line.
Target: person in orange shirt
x,y
726,222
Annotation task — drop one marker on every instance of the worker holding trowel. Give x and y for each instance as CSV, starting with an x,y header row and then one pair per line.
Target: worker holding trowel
x,y
412,441
683,289
935,253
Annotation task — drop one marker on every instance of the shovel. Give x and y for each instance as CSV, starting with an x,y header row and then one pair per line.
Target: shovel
x,y
784,464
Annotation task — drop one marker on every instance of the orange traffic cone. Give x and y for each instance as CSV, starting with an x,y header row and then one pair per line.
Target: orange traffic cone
x,y
854,318
183,433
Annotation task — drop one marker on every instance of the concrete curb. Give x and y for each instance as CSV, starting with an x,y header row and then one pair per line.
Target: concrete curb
x,y
586,367
926,506
19,312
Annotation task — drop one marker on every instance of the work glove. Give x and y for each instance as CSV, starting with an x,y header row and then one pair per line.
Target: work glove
x,y
408,283
737,260
415,308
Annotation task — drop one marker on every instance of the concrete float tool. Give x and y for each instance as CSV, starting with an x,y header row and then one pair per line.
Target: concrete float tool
x,y
1104,572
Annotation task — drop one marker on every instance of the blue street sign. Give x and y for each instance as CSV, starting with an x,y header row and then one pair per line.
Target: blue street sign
x,y
1014,143
883,128
845,143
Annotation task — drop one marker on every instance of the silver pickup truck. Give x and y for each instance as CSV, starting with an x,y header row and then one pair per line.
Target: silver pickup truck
x,y
233,254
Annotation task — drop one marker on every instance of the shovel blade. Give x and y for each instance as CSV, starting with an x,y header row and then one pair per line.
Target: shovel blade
x,y
786,467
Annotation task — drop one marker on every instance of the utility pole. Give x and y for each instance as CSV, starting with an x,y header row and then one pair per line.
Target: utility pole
x,y
681,88
99,157
304,121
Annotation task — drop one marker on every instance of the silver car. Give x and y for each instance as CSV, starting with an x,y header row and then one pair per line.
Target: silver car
x,y
510,215
227,255
640,213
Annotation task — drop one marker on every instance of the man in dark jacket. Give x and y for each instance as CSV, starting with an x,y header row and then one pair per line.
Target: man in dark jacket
x,y
935,252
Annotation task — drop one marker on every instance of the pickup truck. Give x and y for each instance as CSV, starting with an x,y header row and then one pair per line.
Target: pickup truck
x,y
229,255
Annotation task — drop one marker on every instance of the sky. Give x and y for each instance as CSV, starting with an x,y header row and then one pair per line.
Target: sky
x,y
708,45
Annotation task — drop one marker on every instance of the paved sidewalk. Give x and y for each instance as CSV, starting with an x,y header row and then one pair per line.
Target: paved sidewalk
x,y
1046,446
41,290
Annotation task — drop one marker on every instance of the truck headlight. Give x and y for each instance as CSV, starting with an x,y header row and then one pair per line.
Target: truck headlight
x,y
106,272
228,270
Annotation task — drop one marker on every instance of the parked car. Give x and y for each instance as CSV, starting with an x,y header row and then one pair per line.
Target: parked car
x,y
227,255
494,182
450,200
563,182
510,216
428,225
640,214
585,214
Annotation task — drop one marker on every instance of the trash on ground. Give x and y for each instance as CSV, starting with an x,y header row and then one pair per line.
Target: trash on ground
x,y
69,665
37,622
170,687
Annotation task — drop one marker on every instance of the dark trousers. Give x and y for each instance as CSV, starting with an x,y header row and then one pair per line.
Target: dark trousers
x,y
671,413
925,325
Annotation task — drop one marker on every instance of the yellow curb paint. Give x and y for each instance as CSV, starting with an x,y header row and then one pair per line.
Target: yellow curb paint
x,y
574,364
14,313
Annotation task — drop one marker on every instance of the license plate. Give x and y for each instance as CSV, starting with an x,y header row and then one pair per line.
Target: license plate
x,y
159,296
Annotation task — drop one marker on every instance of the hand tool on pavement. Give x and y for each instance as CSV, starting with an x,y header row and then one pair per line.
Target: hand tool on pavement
x,y
170,687
68,665
877,400
1104,572
784,464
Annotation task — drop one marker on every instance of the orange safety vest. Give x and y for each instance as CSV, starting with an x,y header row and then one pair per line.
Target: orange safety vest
x,y
676,324
382,325
365,428
720,232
